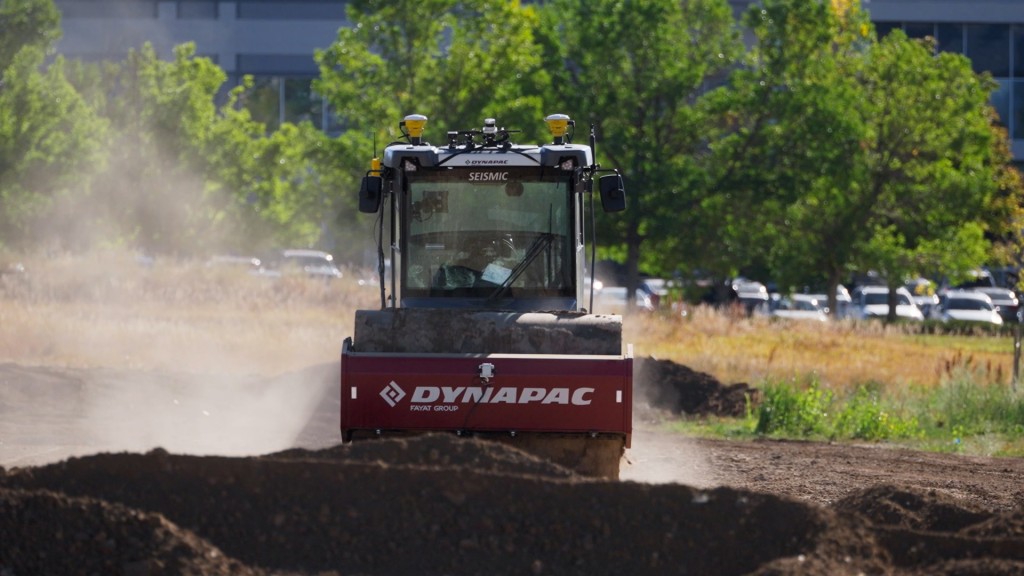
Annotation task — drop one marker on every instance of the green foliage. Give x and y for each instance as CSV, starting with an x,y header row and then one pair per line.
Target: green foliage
x,y
48,136
33,24
787,410
455,61
823,149
812,412
635,69
866,416
966,405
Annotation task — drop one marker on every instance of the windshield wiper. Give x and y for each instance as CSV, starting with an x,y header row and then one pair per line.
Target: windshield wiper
x,y
540,244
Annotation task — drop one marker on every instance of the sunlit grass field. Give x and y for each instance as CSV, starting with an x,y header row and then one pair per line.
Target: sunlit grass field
x,y
856,380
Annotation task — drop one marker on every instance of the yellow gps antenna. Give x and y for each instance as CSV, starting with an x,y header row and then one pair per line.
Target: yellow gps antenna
x,y
414,124
558,125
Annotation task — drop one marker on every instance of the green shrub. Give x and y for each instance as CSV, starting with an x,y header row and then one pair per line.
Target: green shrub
x,y
864,416
788,411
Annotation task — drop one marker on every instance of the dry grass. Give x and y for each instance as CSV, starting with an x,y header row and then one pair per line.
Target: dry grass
x,y
110,311
840,355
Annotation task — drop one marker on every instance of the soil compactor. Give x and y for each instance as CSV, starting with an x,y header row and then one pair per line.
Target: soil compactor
x,y
483,328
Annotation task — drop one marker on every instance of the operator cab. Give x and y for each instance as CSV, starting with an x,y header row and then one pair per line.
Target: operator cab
x,y
486,224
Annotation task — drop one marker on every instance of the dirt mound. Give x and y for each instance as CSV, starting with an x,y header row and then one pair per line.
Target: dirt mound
x,y
674,387
91,536
306,513
437,504
915,510
938,534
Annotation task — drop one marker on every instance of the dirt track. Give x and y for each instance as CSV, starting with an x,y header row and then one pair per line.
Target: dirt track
x,y
175,476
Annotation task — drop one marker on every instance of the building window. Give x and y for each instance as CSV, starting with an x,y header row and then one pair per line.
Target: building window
x,y
107,8
1001,102
919,30
274,100
988,46
263,101
1018,110
1018,51
291,10
197,9
882,29
301,103
951,38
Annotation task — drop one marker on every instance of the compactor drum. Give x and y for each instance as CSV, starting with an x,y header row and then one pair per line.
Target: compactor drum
x,y
483,328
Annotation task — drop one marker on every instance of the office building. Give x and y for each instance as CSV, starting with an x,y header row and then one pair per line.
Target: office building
x,y
274,40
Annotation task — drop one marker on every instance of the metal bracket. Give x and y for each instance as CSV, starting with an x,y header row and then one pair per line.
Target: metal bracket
x,y
486,371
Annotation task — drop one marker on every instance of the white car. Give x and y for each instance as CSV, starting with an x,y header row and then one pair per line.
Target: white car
x,y
843,301
312,263
873,302
969,306
800,307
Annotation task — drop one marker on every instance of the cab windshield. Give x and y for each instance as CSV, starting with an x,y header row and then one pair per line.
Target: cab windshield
x,y
491,234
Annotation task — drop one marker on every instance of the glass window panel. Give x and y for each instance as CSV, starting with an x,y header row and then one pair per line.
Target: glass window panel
x,y
988,47
301,103
883,28
1018,51
108,8
197,9
1001,102
466,237
919,29
292,10
951,38
1018,110
263,101
277,65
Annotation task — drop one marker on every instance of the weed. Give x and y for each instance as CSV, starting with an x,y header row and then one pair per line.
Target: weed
x,y
786,410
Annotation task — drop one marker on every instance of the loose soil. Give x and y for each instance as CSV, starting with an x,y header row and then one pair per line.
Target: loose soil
x,y
144,473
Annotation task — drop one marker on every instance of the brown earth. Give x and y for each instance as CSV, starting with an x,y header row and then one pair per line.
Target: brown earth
x,y
139,473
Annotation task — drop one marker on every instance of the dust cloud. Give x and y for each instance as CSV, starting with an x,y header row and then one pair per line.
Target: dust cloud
x,y
663,457
224,415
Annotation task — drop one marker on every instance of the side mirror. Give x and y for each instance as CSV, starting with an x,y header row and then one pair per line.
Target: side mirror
x,y
613,194
370,194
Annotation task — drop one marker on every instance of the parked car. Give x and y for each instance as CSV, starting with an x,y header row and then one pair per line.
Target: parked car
x,y
873,302
800,307
969,306
313,263
613,299
752,295
248,264
1005,301
843,301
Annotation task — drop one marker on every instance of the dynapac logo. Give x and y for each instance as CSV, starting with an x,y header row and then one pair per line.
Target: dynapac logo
x,y
488,176
485,162
447,398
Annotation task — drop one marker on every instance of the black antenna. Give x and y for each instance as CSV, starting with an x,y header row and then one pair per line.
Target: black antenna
x,y
593,222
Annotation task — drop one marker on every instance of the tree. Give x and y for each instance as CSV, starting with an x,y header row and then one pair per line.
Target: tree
x,y
26,24
455,61
834,152
785,139
931,161
634,70
47,132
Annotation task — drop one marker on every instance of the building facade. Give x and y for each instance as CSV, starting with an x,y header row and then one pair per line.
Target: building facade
x,y
274,41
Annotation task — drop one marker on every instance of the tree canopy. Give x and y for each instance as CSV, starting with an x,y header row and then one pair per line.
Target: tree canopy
x,y
816,151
